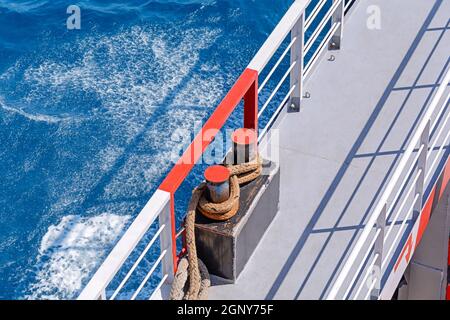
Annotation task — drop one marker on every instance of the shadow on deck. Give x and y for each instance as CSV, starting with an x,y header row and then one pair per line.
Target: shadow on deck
x,y
338,153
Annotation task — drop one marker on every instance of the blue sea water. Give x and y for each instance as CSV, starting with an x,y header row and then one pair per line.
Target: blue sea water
x,y
87,119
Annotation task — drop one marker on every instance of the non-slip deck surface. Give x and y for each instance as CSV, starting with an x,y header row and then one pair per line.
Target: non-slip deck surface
x,y
337,154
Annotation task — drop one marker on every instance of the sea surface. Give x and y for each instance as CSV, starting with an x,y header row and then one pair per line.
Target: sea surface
x,y
89,117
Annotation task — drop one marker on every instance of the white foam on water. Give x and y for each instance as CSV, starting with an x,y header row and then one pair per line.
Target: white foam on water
x,y
138,174
152,66
202,92
70,251
133,74
24,7
33,117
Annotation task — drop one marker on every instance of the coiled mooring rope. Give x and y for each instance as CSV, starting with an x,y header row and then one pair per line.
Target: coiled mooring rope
x,y
192,281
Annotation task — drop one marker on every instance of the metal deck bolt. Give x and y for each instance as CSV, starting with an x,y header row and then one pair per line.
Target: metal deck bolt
x,y
333,45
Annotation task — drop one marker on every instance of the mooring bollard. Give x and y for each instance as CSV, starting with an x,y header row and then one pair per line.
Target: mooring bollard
x,y
244,145
217,180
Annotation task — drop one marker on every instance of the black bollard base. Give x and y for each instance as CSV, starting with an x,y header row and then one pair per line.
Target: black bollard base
x,y
225,247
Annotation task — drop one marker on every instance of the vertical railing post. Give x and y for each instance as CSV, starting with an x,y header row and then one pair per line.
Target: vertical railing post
x,y
297,57
378,251
421,165
167,240
102,295
338,17
251,107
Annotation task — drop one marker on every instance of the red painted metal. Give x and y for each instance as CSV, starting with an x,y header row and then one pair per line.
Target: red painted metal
x,y
244,136
217,174
246,82
246,87
448,256
414,240
445,178
251,101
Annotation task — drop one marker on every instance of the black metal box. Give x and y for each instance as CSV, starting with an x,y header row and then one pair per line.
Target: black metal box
x,y
225,247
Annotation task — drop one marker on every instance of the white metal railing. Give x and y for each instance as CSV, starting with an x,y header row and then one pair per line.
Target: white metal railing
x,y
412,166
294,24
156,208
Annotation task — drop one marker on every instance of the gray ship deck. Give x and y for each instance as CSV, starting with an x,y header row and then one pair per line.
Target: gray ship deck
x,y
338,152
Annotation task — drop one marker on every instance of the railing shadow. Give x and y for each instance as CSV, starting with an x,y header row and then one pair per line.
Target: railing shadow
x,y
352,155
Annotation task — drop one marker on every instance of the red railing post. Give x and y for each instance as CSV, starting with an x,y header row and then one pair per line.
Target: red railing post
x,y
251,107
246,87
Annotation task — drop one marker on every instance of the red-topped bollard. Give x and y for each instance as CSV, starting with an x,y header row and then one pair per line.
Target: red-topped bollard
x,y
217,180
245,143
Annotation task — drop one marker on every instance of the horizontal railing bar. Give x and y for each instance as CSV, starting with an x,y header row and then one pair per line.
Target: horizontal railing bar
x,y
320,27
389,188
314,13
275,114
405,180
101,280
363,282
405,199
158,286
322,47
437,136
277,64
144,252
155,265
443,125
278,35
361,264
180,232
125,246
274,92
129,241
441,148
439,114
400,232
